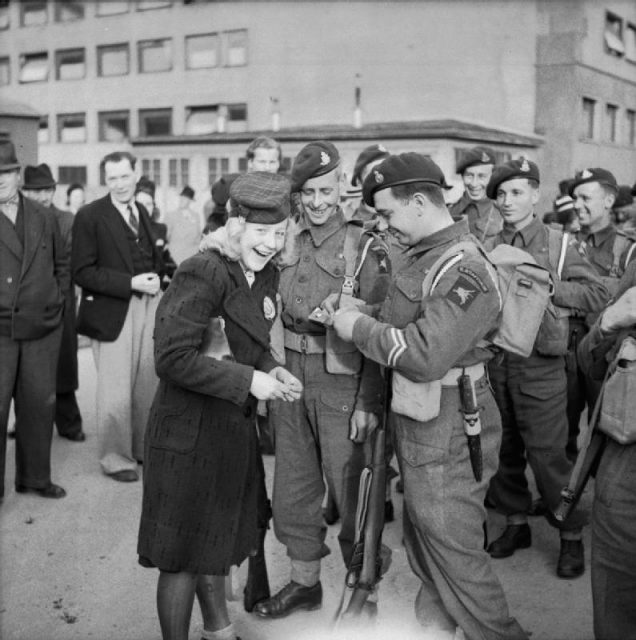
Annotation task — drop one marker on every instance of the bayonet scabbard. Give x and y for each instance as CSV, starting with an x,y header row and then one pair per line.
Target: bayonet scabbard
x,y
472,423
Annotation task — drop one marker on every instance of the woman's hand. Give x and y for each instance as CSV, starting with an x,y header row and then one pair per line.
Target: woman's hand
x,y
294,386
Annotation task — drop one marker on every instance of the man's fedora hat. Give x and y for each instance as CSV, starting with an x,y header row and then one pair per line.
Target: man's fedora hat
x,y
39,177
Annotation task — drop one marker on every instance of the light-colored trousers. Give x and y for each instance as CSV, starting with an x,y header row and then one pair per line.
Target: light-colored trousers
x,y
126,385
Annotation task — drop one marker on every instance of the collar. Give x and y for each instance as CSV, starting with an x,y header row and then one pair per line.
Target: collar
x,y
482,205
319,233
123,208
527,234
597,238
13,201
439,238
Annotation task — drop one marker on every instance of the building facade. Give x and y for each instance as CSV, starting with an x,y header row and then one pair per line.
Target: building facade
x,y
186,84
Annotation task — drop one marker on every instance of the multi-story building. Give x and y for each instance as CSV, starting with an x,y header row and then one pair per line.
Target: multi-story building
x,y
188,83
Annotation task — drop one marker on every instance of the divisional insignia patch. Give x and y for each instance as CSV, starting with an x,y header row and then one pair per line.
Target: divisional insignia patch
x,y
463,292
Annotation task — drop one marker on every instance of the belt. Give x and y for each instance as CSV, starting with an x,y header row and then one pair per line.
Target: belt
x,y
304,343
475,371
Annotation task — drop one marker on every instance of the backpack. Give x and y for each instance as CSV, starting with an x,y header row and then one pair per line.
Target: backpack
x,y
523,286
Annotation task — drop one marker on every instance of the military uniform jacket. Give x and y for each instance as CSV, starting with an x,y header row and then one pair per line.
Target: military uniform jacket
x,y
103,266
33,275
200,467
484,219
423,338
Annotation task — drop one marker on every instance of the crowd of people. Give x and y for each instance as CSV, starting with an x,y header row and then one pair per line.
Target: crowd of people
x,y
288,315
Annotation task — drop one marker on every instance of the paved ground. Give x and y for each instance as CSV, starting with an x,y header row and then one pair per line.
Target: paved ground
x,y
68,568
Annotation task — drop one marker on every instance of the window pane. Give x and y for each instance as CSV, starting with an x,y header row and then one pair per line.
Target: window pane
x,y
172,172
4,14
155,55
242,165
630,43
5,72
225,166
68,10
113,60
201,120
631,126
611,112
142,5
151,167
202,51
71,174
587,120
236,48
33,12
71,127
43,130
185,171
155,122
34,67
614,35
113,126
70,64
111,7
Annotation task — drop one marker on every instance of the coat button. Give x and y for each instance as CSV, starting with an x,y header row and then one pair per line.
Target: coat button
x,y
9,279
302,279
306,258
298,300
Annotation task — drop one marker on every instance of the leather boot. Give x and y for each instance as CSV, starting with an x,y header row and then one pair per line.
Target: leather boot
x,y
292,597
515,536
571,559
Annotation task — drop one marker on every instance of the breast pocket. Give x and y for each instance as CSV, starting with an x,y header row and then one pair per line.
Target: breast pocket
x,y
406,300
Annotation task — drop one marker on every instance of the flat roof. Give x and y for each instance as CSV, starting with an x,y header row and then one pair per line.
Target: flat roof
x,y
17,109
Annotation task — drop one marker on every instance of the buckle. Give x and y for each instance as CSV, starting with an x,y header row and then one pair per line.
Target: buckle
x,y
303,343
348,286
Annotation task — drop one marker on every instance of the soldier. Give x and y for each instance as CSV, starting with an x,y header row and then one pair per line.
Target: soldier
x,y
369,157
312,437
609,251
531,392
429,341
484,221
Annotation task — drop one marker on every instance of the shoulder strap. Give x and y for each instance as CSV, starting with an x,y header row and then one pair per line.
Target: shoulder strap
x,y
450,257
353,235
557,248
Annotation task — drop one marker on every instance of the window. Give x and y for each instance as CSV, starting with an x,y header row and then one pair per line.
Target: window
x,y
143,5
71,174
151,167
178,172
33,13
155,122
588,115
44,135
34,67
71,127
630,127
611,113
4,14
217,167
155,55
236,117
202,51
114,126
200,120
113,60
5,72
236,48
613,35
68,10
242,165
70,64
630,43
111,7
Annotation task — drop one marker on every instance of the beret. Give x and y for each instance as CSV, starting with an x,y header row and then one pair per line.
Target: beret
x,y
315,159
188,192
146,185
602,176
521,168
221,188
261,197
374,152
476,155
624,196
405,168
39,177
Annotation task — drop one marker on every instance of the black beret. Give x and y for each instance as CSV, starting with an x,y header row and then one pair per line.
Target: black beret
x,y
146,185
315,159
624,196
374,152
405,168
476,155
521,168
602,176
261,197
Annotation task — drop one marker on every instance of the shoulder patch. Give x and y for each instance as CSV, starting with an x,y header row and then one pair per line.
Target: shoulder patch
x,y
469,273
463,292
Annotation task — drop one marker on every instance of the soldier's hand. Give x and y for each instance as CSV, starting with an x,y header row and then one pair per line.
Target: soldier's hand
x,y
294,387
621,314
343,321
362,425
266,387
146,283
331,303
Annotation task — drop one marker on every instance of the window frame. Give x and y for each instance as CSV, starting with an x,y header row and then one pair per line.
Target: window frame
x,y
611,122
81,168
99,3
59,7
200,36
5,61
146,113
103,48
228,37
23,59
144,45
44,119
588,129
104,116
60,126
24,4
59,54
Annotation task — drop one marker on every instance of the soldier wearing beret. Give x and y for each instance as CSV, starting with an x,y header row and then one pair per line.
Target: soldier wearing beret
x,y
531,392
369,157
202,475
475,167
326,432
428,339
39,185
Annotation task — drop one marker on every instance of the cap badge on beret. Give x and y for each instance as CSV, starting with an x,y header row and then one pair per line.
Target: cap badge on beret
x,y
524,166
586,173
269,309
379,178
484,157
382,148
324,159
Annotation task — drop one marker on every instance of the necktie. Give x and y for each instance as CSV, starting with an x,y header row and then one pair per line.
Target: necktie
x,y
132,220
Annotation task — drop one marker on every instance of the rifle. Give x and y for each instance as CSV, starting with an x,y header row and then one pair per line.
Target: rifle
x,y
369,558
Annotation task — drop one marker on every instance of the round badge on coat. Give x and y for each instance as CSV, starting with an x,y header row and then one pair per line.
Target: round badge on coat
x,y
269,309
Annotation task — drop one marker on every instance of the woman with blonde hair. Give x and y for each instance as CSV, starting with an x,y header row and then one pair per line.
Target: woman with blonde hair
x,y
212,354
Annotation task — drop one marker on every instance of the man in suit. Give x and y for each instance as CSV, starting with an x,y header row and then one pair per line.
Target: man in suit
x,y
39,185
34,276
116,260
